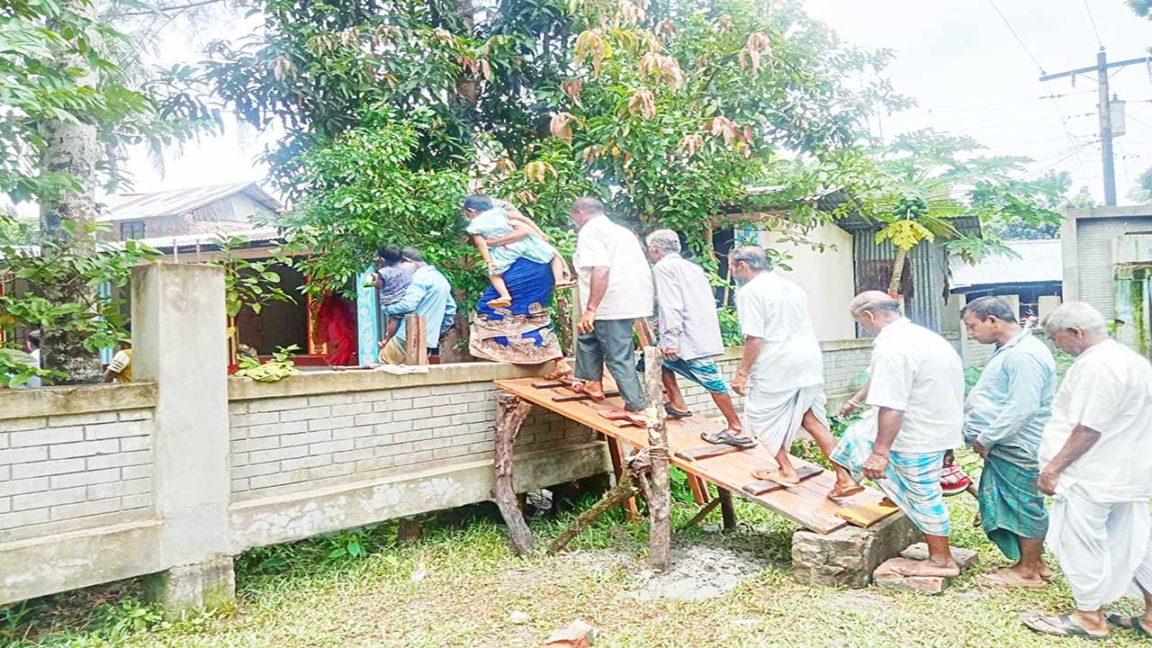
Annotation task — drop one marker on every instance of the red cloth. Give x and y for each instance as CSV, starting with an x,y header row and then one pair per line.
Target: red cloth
x,y
338,330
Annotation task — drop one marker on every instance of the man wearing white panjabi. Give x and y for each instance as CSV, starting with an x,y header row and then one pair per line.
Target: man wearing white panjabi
x,y
782,369
1096,463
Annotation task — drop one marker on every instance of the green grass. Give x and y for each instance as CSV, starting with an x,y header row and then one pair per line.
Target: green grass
x,y
458,585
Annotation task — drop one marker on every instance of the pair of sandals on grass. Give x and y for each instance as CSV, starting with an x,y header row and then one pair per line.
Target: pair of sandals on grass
x,y
1065,626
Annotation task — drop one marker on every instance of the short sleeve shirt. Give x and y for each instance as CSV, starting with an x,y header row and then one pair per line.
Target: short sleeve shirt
x,y
776,310
1107,389
918,373
602,243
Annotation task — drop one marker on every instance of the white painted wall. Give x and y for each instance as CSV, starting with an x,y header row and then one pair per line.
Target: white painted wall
x,y
828,277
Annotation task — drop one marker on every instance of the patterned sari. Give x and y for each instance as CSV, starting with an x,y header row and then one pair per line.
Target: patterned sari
x,y
521,334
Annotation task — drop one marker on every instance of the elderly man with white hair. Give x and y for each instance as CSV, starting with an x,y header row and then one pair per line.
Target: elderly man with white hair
x,y
782,371
916,390
689,329
1096,463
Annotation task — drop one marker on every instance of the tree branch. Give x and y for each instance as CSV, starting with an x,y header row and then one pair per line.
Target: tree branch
x,y
161,10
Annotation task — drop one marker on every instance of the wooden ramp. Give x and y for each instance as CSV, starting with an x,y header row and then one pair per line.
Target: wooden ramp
x,y
805,504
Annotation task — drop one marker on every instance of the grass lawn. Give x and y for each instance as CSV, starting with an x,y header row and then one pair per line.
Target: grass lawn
x,y
458,585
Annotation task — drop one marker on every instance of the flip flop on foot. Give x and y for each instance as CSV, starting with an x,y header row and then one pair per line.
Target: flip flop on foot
x,y
561,370
499,302
564,285
1058,626
1126,622
774,475
726,437
596,395
847,491
674,413
1008,579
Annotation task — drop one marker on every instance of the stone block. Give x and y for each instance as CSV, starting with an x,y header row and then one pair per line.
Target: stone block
x,y
208,585
963,557
886,577
848,556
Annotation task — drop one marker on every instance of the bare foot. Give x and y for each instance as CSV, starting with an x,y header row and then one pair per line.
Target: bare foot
x,y
500,302
1010,579
928,568
559,370
1046,572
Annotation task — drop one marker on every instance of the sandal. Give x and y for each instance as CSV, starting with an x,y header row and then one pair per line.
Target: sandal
x,y
499,302
1058,626
725,437
581,388
674,413
1126,622
837,493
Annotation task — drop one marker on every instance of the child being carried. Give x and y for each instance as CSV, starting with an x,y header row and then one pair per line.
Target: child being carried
x,y
487,221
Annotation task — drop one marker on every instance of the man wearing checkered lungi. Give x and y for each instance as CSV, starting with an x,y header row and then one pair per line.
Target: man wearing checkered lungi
x,y
916,393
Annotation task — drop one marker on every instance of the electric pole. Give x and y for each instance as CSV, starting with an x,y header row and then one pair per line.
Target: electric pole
x,y
1105,109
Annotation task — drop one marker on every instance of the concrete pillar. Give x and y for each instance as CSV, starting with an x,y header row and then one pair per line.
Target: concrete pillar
x,y
179,341
1014,302
1048,303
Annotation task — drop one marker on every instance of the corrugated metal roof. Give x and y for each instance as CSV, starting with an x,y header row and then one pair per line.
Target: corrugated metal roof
x,y
180,201
1037,261
252,236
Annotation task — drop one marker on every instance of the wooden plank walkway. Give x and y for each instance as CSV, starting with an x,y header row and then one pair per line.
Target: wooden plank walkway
x,y
805,504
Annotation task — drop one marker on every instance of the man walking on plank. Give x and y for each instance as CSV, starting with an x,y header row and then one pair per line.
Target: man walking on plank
x,y
615,289
690,337
916,390
1004,417
782,370
1096,463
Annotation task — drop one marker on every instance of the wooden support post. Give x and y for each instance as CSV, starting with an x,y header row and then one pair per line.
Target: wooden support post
x,y
624,489
644,332
727,509
699,489
631,510
510,415
416,340
660,501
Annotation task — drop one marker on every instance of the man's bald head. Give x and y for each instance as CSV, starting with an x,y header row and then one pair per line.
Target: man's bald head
x,y
874,310
585,209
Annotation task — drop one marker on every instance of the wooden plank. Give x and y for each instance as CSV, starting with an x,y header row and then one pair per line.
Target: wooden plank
x,y
865,515
415,340
806,505
707,451
644,332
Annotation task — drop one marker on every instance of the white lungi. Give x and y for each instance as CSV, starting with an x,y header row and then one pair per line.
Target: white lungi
x,y
774,418
1103,547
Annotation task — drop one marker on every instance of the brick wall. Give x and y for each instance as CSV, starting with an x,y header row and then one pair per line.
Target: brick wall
x,y
302,442
65,472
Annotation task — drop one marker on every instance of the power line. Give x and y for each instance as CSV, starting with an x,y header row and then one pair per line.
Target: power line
x,y
1092,19
1017,36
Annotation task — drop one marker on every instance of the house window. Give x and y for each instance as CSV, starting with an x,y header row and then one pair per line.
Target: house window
x,y
131,230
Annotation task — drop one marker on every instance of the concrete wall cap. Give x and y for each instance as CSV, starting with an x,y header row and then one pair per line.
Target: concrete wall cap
x,y
75,399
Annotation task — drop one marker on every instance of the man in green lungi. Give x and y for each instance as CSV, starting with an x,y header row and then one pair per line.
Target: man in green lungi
x,y
1004,418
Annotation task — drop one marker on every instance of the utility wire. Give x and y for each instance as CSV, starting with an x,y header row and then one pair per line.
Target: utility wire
x,y
1017,36
1092,19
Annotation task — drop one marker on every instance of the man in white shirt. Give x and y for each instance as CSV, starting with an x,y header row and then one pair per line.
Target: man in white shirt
x,y
782,370
615,289
689,329
1096,463
916,390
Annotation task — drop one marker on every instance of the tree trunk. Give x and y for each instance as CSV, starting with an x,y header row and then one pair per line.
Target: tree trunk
x,y
510,415
70,148
660,499
897,271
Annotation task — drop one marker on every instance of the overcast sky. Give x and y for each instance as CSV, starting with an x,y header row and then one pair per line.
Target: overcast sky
x,y
957,58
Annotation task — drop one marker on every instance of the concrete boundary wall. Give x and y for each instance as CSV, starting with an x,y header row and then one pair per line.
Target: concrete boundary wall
x,y
174,475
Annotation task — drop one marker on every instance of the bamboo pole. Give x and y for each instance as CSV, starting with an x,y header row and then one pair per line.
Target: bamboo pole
x,y
659,500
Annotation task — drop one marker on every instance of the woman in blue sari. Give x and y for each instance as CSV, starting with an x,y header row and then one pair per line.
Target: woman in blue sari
x,y
522,333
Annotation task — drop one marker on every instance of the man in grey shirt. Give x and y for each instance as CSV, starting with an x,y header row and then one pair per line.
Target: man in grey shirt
x,y
689,332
